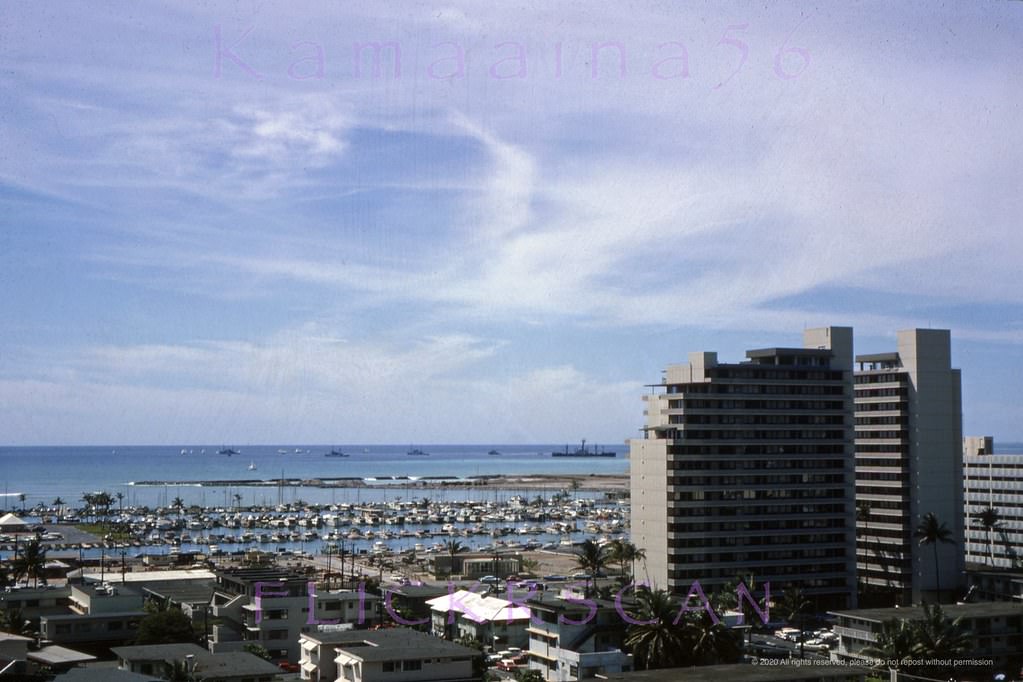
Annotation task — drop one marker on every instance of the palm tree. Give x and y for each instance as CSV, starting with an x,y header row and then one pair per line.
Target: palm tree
x,y
711,643
624,552
179,504
237,500
59,504
895,642
931,532
937,637
90,502
178,671
31,562
794,604
22,498
120,505
990,520
453,547
656,640
592,559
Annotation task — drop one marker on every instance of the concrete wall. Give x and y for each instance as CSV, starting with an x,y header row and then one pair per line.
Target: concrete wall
x,y
648,467
936,438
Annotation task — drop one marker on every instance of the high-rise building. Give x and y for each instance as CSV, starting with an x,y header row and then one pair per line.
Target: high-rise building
x,y
908,465
747,469
992,481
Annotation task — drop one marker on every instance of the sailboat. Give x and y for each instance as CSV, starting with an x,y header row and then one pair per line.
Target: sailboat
x,y
252,466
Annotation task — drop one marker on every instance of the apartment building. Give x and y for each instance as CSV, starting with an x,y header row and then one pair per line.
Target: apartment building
x,y
99,616
272,607
992,481
996,629
201,665
389,655
497,623
747,468
572,639
908,464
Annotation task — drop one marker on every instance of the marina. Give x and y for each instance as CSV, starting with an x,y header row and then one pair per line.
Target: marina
x,y
421,525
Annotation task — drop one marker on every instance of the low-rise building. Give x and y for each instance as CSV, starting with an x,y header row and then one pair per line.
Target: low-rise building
x,y
159,660
995,627
575,639
411,601
13,653
389,655
476,565
994,585
34,602
494,622
272,607
98,616
741,672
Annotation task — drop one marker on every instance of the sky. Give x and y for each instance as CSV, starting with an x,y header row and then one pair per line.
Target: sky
x,y
240,223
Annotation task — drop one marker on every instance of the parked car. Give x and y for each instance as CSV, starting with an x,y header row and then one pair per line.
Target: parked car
x,y
490,579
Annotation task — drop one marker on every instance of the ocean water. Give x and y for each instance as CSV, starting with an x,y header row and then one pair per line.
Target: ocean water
x,y
45,473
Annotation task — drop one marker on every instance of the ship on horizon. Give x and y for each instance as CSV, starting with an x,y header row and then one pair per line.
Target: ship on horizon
x,y
583,451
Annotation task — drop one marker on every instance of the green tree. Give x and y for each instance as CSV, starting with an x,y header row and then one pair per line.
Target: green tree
x,y
177,671
166,627
31,562
59,504
794,605
932,532
625,553
88,499
936,638
895,643
258,650
13,620
528,675
592,559
711,643
453,547
656,641
991,521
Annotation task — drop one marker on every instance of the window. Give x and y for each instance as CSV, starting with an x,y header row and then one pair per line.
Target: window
x,y
412,665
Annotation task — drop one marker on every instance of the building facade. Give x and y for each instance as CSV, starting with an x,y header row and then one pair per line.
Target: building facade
x,y
908,464
496,623
576,639
388,655
272,607
995,628
747,469
992,481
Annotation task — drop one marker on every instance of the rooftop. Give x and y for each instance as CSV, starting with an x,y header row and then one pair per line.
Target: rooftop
x,y
978,610
59,655
741,672
103,675
478,607
390,644
233,663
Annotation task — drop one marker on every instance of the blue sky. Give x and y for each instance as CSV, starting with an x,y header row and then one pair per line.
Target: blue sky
x,y
507,238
